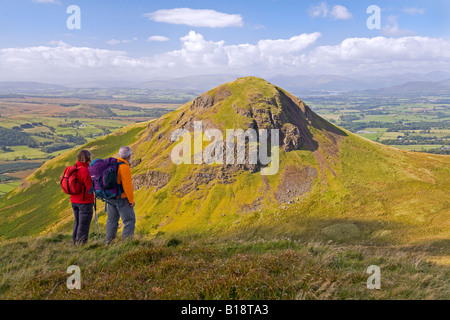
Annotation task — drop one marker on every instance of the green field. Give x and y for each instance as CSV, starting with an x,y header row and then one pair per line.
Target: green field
x,y
372,133
50,121
377,118
418,147
21,152
8,186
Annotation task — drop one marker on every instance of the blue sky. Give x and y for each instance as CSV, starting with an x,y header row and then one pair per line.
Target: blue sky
x,y
151,39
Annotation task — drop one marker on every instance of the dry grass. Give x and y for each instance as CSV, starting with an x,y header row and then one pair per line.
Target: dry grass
x,y
188,269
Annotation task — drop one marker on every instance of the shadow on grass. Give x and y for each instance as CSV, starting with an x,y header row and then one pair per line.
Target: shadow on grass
x,y
334,230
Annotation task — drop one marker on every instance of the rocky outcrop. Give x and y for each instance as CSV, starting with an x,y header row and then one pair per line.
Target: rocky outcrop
x,y
291,138
206,176
206,100
150,179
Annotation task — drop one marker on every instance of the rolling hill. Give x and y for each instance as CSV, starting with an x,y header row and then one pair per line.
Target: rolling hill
x,y
331,184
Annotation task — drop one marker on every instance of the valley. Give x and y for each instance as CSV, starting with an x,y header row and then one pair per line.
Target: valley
x,y
35,129
408,123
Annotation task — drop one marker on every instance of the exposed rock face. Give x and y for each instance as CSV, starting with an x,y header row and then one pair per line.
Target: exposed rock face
x,y
206,101
291,138
262,112
155,179
206,176
153,128
270,114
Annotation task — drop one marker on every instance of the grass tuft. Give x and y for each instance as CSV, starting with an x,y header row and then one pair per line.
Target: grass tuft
x,y
143,268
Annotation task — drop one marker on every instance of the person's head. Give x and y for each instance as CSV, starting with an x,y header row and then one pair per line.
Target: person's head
x,y
84,156
125,153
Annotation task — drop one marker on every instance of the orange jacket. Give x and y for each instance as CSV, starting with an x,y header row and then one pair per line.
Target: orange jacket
x,y
124,178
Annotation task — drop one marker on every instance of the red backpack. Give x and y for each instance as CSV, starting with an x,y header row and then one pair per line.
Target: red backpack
x,y
69,182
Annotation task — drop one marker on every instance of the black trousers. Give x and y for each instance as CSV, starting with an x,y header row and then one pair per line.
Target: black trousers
x,y
83,215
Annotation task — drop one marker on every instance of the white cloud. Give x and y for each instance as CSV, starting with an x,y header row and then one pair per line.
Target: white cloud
x,y
62,63
196,17
413,10
392,28
158,38
198,52
381,55
322,9
340,13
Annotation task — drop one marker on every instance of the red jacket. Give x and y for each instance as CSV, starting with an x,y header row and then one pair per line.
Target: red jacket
x,y
84,178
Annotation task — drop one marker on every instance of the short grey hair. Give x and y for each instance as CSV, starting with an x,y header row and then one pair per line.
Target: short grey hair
x,y
124,152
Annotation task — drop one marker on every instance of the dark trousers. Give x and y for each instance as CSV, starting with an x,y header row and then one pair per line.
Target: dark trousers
x,y
83,215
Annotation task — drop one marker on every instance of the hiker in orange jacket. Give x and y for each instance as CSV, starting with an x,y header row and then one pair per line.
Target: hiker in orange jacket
x,y
122,208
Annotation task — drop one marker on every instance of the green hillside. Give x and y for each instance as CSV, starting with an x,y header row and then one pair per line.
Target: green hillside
x,y
38,206
332,184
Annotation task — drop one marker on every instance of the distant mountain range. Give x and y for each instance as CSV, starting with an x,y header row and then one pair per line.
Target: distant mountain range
x,y
301,84
409,84
413,88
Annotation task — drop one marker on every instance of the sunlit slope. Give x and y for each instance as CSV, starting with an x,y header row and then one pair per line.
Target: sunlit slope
x,y
331,184
39,205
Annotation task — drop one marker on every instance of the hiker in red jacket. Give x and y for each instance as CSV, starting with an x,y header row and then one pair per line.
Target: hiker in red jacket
x,y
82,203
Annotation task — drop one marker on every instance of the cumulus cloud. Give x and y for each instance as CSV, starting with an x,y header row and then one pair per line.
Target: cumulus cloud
x,y
196,51
337,12
380,55
61,62
158,38
64,62
196,17
319,10
340,13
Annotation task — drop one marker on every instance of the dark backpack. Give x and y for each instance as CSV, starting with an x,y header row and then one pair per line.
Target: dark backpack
x,y
104,178
69,181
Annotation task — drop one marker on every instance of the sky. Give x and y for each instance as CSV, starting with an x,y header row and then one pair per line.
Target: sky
x,y
59,41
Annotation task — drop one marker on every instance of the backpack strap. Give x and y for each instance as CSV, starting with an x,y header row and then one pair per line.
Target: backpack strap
x,y
119,185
